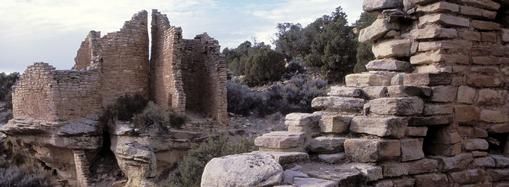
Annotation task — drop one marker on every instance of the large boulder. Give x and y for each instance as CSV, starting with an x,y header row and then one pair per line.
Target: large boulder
x,y
250,169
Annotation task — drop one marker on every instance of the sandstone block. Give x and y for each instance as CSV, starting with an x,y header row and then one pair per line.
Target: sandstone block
x,y
224,171
475,144
374,92
445,19
392,48
372,5
422,166
484,162
439,7
468,176
505,35
439,56
417,131
280,140
301,119
444,94
290,174
371,150
409,91
367,79
383,127
433,179
342,91
338,103
388,65
411,149
438,109
466,95
326,144
485,25
435,32
285,158
336,124
376,30
457,162
466,113
427,79
371,172
494,116
332,158
483,81
501,161
490,97
404,106
394,169
499,128
477,12
431,120
488,4
299,181
498,174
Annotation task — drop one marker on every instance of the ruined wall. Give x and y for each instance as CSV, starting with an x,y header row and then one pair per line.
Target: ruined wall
x,y
204,70
43,93
78,94
124,60
166,77
34,95
88,51
432,110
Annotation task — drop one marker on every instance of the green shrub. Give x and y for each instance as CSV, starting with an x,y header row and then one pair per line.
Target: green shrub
x,y
6,83
264,65
190,168
154,116
124,108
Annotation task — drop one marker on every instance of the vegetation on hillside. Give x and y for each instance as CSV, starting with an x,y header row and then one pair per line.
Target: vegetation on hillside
x,y
6,83
364,53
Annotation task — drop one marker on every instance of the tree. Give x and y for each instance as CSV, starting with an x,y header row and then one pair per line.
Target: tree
x,y
263,65
328,43
364,53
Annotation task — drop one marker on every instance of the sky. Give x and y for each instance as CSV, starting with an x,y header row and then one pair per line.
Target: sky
x,y
52,30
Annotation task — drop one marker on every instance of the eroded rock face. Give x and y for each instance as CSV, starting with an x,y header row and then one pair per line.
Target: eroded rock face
x,y
251,169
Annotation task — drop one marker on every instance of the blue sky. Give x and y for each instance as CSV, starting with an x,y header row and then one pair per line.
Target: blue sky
x,y
52,30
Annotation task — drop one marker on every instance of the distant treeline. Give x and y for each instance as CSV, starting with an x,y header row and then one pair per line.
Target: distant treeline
x,y
329,43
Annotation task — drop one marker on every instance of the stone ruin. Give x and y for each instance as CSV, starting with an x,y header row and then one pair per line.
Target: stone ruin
x,y
433,110
56,111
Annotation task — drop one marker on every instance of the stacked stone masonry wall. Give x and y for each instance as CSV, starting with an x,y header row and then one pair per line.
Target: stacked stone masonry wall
x,y
432,110
166,75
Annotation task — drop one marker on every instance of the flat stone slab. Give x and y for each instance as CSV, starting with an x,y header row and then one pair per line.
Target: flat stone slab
x,y
372,150
338,103
326,144
288,157
380,126
402,106
280,140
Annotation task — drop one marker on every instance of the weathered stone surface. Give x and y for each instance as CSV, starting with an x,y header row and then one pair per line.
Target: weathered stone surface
x,y
422,166
431,120
499,128
314,182
374,92
403,106
394,169
439,7
338,103
491,97
326,144
426,79
388,65
411,149
290,175
475,144
501,161
257,170
466,95
433,57
332,158
444,94
371,5
494,116
434,31
457,162
371,150
446,19
376,30
434,179
371,172
392,48
485,162
285,158
468,176
367,79
409,91
488,4
335,124
438,109
342,91
303,123
466,113
383,127
280,140
417,131
485,25
498,174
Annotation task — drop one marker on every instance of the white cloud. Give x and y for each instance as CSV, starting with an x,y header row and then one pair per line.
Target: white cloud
x,y
51,30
